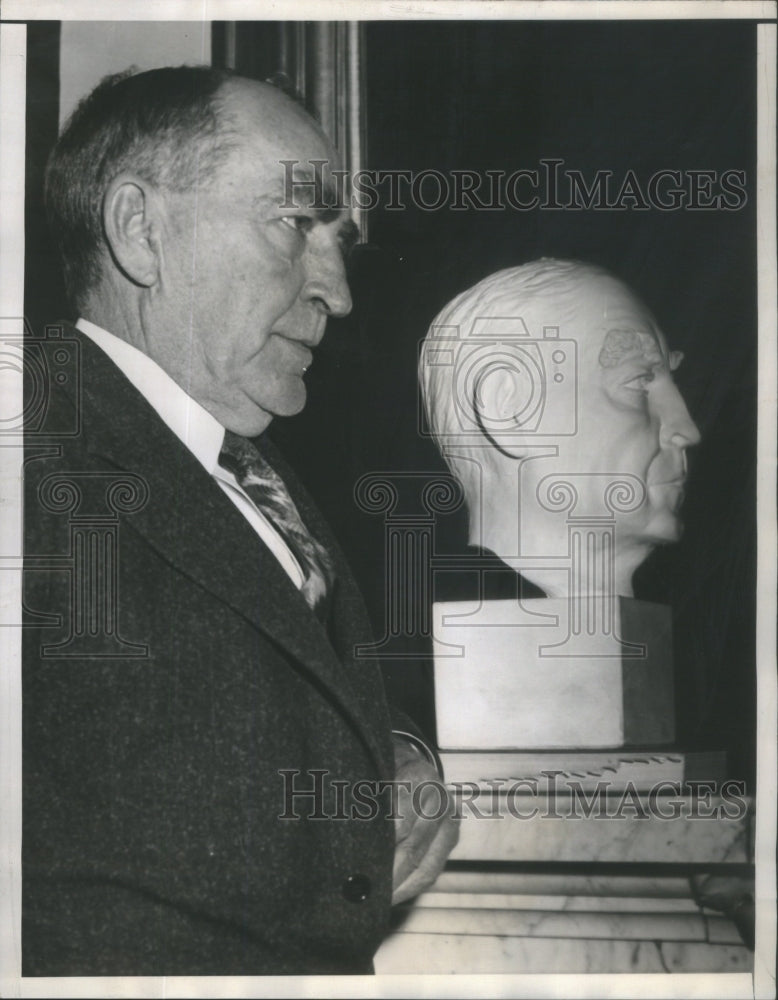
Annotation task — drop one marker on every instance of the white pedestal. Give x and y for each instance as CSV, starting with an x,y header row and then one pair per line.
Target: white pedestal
x,y
528,676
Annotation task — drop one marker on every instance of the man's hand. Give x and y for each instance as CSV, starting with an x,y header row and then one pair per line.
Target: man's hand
x,y
426,828
731,895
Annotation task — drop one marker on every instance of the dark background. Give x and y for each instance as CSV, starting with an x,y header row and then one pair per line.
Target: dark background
x,y
483,96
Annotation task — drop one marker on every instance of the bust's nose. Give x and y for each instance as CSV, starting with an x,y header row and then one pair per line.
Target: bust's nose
x,y
677,427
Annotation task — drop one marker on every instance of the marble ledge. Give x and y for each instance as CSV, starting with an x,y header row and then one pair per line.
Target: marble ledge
x,y
553,838
556,884
562,903
448,954
636,926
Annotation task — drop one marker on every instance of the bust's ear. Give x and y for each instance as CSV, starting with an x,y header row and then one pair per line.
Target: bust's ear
x,y
496,402
131,225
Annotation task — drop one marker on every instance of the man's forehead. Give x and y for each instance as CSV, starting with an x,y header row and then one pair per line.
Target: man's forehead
x,y
255,99
273,124
310,185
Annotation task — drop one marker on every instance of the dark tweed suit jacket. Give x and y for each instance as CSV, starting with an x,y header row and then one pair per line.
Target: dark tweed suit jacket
x,y
152,842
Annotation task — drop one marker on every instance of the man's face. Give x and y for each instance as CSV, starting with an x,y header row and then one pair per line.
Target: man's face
x,y
249,284
632,418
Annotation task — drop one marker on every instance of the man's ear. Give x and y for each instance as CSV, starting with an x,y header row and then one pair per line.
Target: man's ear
x,y
131,225
496,402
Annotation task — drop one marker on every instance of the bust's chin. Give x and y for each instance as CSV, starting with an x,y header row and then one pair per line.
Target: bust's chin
x,y
664,522
637,534
664,528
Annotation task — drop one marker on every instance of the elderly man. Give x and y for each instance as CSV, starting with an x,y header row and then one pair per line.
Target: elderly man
x,y
205,764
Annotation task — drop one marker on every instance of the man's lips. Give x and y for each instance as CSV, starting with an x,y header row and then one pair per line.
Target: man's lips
x,y
302,349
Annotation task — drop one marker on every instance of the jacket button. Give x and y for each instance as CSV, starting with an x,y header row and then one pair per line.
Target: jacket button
x,y
356,888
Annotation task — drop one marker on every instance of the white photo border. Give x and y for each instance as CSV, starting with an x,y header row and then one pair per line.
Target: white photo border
x,y
12,125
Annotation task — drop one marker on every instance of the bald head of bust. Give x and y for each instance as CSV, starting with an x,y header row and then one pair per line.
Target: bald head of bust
x,y
549,390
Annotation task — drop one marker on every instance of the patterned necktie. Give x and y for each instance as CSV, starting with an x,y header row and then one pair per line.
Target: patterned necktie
x,y
267,490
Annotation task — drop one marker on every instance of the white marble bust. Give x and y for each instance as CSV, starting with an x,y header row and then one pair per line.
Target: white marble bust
x,y
549,390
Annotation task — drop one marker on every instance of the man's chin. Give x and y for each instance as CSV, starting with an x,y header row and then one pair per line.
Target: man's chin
x,y
257,416
293,401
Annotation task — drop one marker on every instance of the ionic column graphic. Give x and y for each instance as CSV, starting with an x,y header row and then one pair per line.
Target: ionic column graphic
x,y
94,502
409,543
591,534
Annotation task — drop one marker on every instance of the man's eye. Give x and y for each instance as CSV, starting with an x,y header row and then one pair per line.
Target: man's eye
x,y
299,223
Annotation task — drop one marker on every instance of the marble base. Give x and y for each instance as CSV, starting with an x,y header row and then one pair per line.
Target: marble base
x,y
544,923
604,895
528,675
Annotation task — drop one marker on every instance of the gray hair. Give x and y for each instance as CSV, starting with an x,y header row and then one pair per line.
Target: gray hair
x,y
167,125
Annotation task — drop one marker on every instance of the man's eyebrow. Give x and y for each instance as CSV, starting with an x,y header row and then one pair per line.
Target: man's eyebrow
x,y
348,236
311,192
307,196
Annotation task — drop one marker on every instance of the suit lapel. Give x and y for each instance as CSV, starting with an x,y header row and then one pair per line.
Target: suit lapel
x,y
190,521
349,612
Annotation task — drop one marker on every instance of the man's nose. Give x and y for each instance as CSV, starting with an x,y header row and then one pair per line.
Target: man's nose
x,y
678,429
325,284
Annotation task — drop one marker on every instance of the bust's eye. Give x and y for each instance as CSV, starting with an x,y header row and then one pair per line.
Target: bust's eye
x,y
299,223
641,382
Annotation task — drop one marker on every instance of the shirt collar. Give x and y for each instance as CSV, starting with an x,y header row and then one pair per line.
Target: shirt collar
x,y
196,428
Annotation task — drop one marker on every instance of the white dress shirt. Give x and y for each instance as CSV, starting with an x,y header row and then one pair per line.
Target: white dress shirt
x,y
195,427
